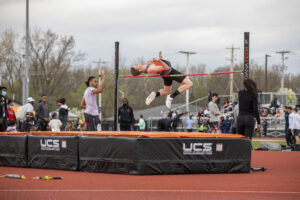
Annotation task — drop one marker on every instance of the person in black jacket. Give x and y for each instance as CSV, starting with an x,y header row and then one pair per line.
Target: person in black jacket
x,y
126,117
42,114
3,109
63,113
29,124
248,109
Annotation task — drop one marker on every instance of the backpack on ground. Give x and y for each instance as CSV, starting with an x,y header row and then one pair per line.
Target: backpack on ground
x,y
272,146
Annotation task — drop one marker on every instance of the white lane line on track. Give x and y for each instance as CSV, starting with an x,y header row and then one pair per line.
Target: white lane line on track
x,y
203,191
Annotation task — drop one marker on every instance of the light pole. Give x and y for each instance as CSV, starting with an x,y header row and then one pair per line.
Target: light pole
x,y
266,72
25,88
187,93
282,60
100,96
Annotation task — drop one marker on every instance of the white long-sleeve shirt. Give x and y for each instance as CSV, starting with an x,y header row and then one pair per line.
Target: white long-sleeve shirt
x,y
297,122
292,117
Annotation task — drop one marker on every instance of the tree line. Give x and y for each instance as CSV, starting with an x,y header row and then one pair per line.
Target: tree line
x,y
57,70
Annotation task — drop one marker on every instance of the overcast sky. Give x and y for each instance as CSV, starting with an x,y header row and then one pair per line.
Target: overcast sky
x,y
143,27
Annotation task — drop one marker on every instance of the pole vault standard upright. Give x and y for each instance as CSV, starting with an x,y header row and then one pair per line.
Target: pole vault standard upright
x,y
116,85
246,55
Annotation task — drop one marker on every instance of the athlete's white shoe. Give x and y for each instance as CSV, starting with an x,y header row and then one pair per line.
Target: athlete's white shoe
x,y
150,98
169,101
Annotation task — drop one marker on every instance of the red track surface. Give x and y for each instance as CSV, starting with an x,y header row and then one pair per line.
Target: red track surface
x,y
280,181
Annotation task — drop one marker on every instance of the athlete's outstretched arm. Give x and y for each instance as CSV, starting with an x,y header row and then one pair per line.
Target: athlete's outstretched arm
x,y
160,55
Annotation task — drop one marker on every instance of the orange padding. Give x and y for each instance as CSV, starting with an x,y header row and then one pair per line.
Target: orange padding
x,y
133,134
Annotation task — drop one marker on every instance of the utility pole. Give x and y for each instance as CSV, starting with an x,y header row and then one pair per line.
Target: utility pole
x,y
266,72
25,87
187,93
282,59
100,97
231,69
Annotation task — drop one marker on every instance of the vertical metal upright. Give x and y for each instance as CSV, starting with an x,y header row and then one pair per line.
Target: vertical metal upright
x,y
116,85
246,55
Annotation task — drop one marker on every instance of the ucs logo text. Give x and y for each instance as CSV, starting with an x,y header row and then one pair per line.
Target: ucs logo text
x,y
197,148
52,145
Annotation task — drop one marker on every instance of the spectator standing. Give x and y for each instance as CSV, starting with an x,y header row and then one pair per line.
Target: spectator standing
x,y
3,109
42,114
227,124
291,136
126,117
265,127
29,124
89,102
55,124
141,124
248,109
296,125
200,115
63,113
12,126
190,124
274,103
214,111
222,125
10,111
286,130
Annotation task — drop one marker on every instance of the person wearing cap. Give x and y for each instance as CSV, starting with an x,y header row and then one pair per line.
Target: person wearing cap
x,y
29,124
21,112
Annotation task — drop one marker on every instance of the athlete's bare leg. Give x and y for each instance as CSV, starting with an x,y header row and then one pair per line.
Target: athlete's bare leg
x,y
185,85
165,91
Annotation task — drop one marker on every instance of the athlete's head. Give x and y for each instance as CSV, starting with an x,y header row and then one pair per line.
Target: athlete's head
x,y
92,82
214,97
136,69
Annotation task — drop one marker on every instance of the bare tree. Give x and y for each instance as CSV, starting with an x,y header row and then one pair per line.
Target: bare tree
x,y
11,62
51,60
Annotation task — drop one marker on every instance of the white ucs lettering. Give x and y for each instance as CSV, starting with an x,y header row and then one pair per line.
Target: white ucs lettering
x,y
49,144
198,148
